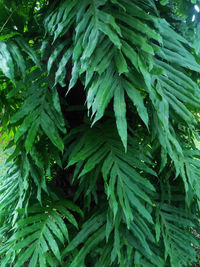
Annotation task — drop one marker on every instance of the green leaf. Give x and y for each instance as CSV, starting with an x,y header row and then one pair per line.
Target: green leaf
x,y
138,101
6,62
29,50
120,113
75,75
14,50
50,130
120,62
52,243
61,72
88,228
55,54
89,244
29,105
34,259
92,43
110,33
164,2
29,119
32,134
25,256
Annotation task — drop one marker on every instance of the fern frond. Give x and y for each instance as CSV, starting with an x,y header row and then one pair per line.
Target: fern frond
x,y
171,223
13,186
44,231
41,109
125,187
13,53
131,82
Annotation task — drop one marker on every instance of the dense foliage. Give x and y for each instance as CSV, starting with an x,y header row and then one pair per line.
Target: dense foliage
x,y
99,104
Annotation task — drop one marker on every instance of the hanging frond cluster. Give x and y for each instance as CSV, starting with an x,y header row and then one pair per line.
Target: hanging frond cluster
x,y
99,103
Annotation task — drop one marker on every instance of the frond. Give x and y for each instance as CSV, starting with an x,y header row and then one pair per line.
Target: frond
x,y
121,146
12,187
40,110
125,187
113,40
43,232
171,224
12,55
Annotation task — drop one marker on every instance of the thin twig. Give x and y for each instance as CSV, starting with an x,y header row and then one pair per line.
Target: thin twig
x,y
6,21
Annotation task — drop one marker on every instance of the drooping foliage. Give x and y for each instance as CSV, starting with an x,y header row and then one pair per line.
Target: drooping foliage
x,y
99,104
